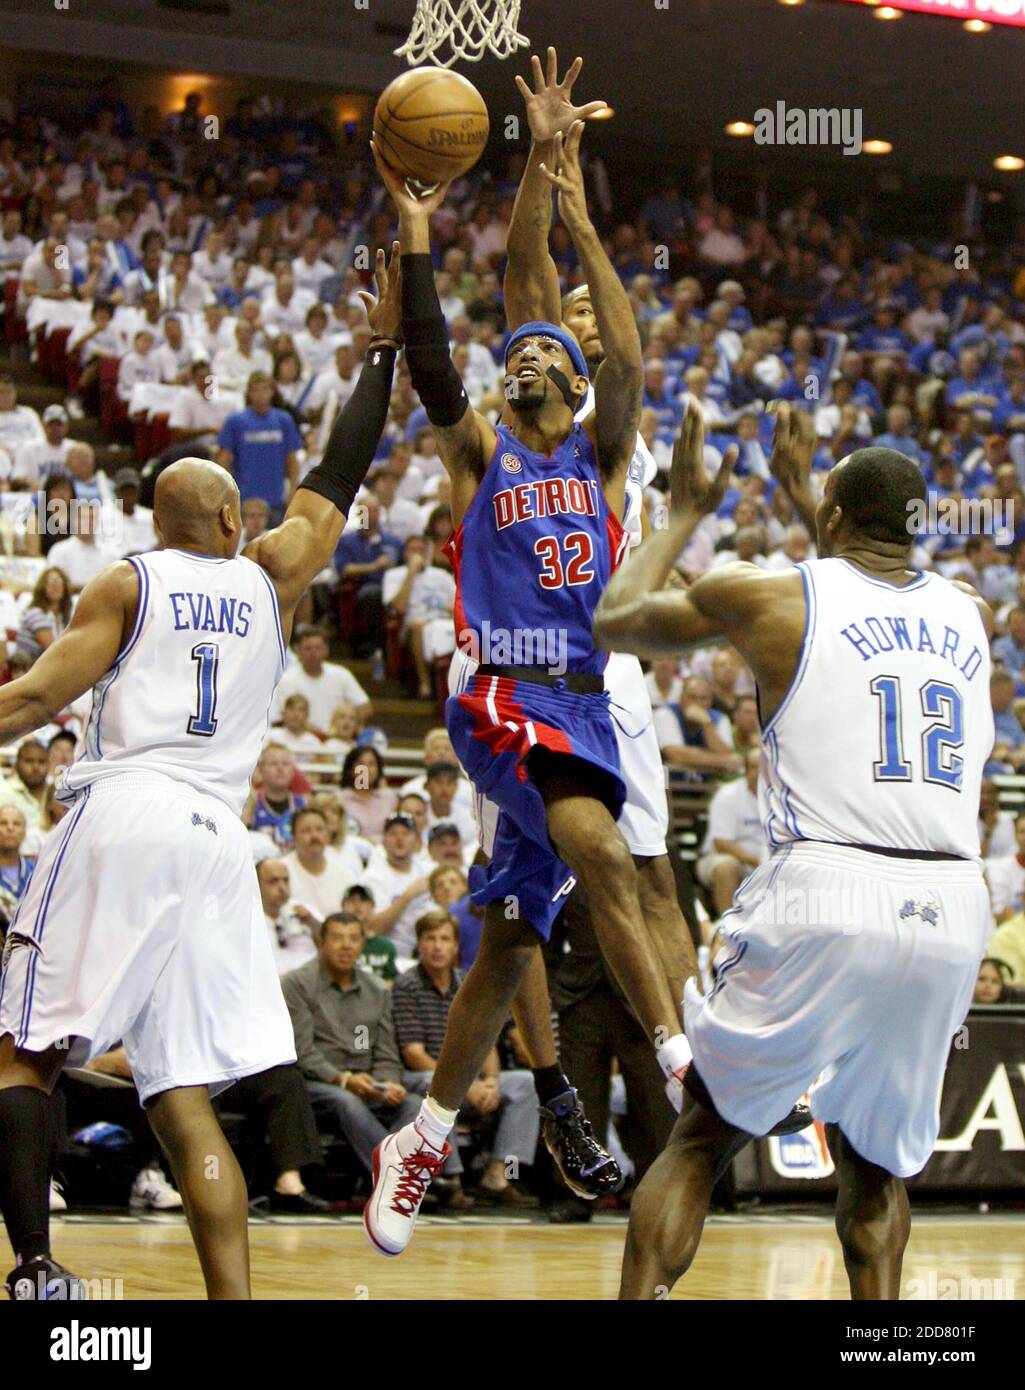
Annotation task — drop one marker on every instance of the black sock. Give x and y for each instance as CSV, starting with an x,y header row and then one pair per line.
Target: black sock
x,y
25,1169
550,1082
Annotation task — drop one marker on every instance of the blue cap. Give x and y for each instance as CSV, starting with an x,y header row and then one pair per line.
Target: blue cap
x,y
538,328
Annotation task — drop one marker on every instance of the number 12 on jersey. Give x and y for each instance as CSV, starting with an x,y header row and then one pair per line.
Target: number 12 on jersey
x,y
206,655
941,703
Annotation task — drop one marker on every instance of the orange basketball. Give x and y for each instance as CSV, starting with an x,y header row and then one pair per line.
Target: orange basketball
x,y
431,125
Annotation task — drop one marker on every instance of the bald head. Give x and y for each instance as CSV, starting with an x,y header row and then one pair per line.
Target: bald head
x,y
196,505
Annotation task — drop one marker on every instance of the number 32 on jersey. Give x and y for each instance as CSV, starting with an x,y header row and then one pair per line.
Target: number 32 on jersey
x,y
568,564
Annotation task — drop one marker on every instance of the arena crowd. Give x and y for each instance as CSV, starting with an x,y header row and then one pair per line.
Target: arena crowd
x,y
199,296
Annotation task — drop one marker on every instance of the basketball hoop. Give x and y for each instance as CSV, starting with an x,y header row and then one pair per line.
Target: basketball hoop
x,y
469,27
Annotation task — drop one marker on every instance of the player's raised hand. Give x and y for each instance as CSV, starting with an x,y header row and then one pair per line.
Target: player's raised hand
x,y
407,202
384,311
690,488
793,448
568,177
550,110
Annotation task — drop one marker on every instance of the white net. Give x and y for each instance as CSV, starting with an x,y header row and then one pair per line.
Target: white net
x,y
445,30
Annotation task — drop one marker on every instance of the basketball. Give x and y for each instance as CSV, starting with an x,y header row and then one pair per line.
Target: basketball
x,y
431,125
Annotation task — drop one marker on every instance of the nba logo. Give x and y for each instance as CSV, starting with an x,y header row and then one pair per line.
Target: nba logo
x,y
511,463
804,1155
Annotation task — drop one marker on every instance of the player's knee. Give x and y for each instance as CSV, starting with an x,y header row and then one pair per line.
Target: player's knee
x,y
604,854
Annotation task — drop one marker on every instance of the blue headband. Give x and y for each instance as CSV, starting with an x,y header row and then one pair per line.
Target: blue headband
x,y
538,328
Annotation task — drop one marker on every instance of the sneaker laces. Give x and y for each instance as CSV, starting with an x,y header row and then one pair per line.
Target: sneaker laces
x,y
418,1169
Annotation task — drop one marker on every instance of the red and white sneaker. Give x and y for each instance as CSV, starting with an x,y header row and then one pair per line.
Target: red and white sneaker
x,y
404,1165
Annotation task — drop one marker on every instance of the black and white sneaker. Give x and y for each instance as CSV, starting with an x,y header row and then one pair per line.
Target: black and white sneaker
x,y
585,1166
42,1280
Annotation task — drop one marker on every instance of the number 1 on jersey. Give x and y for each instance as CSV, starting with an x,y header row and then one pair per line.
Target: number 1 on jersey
x,y
206,655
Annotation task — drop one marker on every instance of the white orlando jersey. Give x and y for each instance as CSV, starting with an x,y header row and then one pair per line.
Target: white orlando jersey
x,y
640,475
883,735
190,694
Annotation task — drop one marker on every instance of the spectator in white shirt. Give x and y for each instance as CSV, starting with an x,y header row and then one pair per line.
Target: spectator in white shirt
x,y
319,880
19,424
14,244
46,272
325,684
481,361
174,353
294,731
90,485
36,460
424,593
438,748
996,827
735,842
340,379
187,292
315,346
291,939
199,410
442,808
283,310
721,245
398,884
131,529
399,516
1006,875
83,554
140,365
309,270
487,233
212,262
664,682
255,520
796,548
451,305
215,331
692,735
233,366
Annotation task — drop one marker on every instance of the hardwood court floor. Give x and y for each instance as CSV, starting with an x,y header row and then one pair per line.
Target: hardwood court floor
x,y
777,1256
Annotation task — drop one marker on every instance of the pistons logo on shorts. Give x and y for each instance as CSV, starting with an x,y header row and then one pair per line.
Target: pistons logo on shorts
x,y
511,463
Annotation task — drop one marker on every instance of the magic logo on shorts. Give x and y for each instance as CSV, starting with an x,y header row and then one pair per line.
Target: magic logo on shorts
x,y
927,909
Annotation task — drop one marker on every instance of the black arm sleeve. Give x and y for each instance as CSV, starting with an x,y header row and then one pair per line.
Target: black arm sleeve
x,y
435,380
355,434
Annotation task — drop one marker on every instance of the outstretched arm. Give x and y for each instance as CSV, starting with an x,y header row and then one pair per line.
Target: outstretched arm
x,y
466,440
297,550
793,448
74,663
531,288
619,383
636,612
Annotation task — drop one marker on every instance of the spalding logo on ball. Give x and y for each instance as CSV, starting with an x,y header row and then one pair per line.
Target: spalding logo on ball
x,y
430,125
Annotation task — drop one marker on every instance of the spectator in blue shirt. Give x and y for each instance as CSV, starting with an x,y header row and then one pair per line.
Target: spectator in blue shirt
x,y
1010,650
883,334
969,390
1009,416
898,435
260,445
842,310
363,554
1009,740
659,398
863,393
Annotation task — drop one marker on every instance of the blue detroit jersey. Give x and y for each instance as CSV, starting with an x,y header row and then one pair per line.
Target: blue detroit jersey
x,y
533,555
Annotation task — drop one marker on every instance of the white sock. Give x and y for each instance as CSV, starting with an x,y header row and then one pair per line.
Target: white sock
x,y
435,1122
674,1054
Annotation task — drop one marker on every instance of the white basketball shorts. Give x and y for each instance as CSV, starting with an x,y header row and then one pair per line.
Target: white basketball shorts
x,y
142,923
844,973
644,819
